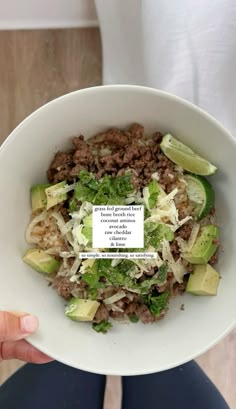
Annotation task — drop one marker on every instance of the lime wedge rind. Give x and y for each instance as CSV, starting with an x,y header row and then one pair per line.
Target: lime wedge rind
x,y
183,156
201,194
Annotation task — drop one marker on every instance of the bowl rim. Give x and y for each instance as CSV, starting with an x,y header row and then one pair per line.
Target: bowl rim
x,y
132,88
100,88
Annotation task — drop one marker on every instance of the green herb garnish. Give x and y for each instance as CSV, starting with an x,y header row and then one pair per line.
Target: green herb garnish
x,y
107,191
134,318
157,302
103,326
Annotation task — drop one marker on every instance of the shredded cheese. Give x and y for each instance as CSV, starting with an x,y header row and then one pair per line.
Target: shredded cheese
x,y
165,200
53,250
88,262
176,267
115,308
61,225
186,246
155,176
67,227
114,298
78,236
193,236
63,190
37,219
75,266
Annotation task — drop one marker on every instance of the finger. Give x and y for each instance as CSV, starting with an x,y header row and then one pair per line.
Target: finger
x,y
17,313
14,327
24,351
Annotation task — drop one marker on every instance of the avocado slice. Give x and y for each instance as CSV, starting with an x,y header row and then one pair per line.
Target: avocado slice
x,y
203,281
54,200
38,196
204,247
79,309
41,261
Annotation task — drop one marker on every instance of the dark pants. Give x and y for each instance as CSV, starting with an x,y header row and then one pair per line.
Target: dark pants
x,y
56,386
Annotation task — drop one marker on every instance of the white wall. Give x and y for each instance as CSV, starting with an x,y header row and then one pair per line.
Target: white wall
x,y
20,14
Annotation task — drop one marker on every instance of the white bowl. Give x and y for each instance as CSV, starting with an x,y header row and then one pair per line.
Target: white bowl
x,y
128,349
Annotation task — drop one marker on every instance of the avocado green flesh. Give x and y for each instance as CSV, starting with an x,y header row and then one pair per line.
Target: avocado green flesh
x,y
38,197
204,247
203,281
79,309
41,261
54,200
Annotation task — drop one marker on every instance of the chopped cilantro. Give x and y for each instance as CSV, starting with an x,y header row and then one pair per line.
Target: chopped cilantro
x,y
92,280
154,234
119,276
88,179
157,302
150,226
147,213
103,326
134,318
154,190
108,190
122,184
145,285
73,205
92,276
162,274
84,193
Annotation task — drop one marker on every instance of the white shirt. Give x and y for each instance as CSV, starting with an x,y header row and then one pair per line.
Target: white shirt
x,y
186,47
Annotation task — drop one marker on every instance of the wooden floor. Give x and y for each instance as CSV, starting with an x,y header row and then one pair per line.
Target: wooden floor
x,y
37,66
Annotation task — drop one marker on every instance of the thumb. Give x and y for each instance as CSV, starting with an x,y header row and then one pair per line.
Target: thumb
x,y
14,327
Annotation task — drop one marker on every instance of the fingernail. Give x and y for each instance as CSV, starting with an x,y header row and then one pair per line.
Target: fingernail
x,y
29,323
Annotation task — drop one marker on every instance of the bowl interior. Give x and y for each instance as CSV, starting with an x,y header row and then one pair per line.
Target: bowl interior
x,y
24,159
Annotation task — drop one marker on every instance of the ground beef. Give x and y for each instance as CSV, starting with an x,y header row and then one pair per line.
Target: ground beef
x,y
189,267
212,211
132,152
117,315
141,158
64,286
214,258
126,150
167,285
175,250
101,314
179,288
185,231
61,208
131,308
74,172
60,167
113,137
82,155
146,316
136,131
61,159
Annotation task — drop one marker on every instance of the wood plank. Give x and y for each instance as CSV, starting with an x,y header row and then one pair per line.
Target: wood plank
x,y
38,66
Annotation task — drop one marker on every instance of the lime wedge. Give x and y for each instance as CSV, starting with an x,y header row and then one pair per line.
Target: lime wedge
x,y
201,194
183,156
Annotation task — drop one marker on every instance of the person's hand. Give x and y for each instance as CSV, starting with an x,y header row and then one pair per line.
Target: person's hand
x,y
14,327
